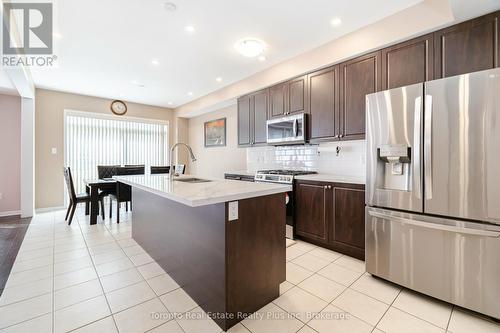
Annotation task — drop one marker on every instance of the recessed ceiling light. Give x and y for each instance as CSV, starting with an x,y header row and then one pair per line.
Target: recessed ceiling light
x,y
190,29
170,103
336,21
57,35
170,6
262,58
218,79
250,47
190,93
155,62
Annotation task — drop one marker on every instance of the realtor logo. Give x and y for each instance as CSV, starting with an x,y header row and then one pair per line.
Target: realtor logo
x,y
27,28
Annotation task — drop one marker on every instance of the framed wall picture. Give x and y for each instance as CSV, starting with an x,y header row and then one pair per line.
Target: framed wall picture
x,y
215,133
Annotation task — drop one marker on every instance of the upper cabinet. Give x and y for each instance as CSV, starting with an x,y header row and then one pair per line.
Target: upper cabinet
x,y
288,97
244,123
252,117
334,97
277,100
467,47
358,77
324,104
408,63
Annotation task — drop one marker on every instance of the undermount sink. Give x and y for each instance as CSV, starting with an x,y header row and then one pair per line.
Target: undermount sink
x,y
192,180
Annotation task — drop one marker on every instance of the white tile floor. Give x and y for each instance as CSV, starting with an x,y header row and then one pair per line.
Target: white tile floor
x,y
84,278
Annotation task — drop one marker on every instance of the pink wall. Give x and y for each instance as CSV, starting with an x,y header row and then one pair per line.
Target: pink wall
x,y
10,154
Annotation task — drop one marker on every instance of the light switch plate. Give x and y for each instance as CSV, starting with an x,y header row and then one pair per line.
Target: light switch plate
x,y
233,210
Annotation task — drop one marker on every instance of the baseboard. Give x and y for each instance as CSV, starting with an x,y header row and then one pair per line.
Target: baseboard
x,y
10,213
48,209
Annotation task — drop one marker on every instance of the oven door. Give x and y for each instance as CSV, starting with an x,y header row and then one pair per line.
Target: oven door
x,y
289,200
286,130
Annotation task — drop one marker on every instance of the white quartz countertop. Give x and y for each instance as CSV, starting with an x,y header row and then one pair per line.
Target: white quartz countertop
x,y
321,177
201,194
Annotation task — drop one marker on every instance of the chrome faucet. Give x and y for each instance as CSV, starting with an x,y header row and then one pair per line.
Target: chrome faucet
x,y
172,166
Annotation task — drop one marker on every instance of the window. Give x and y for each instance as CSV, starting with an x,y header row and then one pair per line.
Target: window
x,y
92,140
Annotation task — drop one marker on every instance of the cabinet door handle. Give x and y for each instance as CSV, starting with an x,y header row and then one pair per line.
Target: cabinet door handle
x,y
341,135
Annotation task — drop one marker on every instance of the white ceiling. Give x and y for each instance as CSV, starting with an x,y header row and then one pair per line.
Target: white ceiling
x,y
106,45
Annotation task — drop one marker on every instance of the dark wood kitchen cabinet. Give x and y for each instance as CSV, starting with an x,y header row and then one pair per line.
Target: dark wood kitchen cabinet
x,y
252,117
408,62
331,215
348,230
467,47
324,104
311,211
288,97
358,77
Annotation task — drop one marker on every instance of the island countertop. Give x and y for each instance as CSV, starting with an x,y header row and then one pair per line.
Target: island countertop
x,y
201,194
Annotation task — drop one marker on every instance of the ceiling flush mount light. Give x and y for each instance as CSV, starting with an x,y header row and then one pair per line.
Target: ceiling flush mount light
x,y
170,103
262,58
250,47
336,21
155,62
170,6
218,79
190,29
190,93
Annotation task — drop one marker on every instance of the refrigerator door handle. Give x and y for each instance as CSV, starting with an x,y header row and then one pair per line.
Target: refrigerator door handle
x,y
428,147
417,180
442,227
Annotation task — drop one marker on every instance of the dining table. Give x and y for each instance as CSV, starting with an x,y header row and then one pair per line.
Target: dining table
x,y
92,187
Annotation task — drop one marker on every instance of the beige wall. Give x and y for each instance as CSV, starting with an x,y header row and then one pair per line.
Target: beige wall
x,y
213,162
49,133
10,154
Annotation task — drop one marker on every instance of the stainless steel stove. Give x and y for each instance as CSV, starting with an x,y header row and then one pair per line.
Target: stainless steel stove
x,y
279,176
284,177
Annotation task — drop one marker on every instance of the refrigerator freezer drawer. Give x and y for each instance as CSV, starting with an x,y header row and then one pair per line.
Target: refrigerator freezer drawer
x,y
458,262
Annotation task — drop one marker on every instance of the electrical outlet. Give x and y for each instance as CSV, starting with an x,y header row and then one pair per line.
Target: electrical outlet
x,y
54,151
233,210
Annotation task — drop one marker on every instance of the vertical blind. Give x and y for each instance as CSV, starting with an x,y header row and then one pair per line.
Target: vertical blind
x,y
101,141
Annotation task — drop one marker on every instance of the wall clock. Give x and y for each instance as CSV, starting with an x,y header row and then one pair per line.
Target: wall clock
x,y
118,107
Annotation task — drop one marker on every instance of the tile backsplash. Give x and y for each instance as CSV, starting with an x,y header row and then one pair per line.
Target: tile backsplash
x,y
323,158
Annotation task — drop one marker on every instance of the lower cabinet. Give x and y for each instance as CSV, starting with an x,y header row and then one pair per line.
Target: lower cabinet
x,y
331,215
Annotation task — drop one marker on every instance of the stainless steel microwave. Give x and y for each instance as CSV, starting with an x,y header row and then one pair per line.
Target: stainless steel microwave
x,y
287,130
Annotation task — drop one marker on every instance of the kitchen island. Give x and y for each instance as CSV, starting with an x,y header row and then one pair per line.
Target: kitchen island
x,y
222,241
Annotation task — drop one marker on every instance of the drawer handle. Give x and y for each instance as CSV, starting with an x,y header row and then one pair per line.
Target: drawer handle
x,y
442,227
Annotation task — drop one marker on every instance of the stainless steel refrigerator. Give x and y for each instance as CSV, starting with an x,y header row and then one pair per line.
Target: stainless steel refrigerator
x,y
433,189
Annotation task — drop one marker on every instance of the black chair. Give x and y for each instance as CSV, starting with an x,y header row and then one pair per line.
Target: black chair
x,y
108,171
75,199
159,169
123,191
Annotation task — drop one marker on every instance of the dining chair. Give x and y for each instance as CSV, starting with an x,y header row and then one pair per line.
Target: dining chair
x,y
124,191
159,169
108,171
75,199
